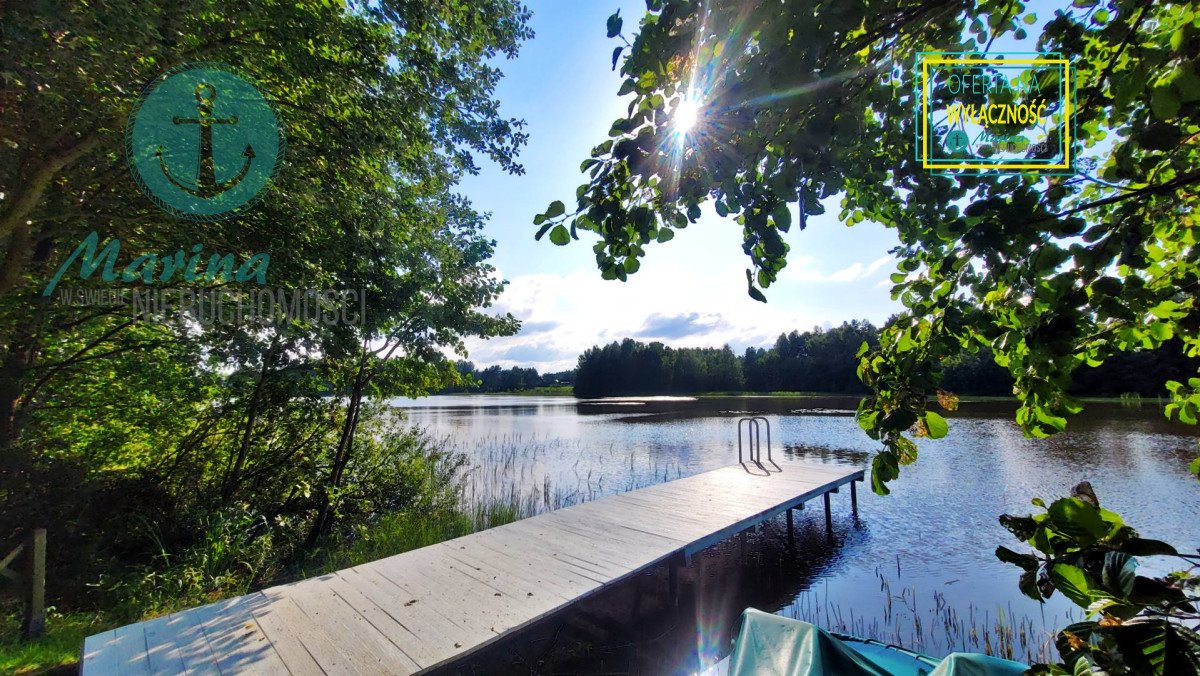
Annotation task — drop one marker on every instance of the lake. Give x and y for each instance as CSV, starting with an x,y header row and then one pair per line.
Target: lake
x,y
916,568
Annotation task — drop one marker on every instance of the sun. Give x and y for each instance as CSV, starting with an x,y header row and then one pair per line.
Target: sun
x,y
686,113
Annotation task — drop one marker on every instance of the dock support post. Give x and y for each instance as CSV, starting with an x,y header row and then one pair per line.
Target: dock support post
x,y
673,580
828,517
791,538
854,498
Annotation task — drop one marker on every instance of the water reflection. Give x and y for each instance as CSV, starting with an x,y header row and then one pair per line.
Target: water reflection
x,y
641,625
922,557
826,454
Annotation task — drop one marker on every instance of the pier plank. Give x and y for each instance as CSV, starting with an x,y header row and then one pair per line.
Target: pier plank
x,y
428,607
363,643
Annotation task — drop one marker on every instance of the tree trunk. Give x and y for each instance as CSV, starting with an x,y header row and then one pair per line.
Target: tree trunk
x,y
324,519
40,178
234,476
20,349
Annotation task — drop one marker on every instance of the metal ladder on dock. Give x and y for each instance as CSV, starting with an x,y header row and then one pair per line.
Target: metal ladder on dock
x,y
754,442
753,447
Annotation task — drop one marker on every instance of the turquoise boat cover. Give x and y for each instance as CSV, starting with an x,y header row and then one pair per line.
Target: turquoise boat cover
x,y
769,645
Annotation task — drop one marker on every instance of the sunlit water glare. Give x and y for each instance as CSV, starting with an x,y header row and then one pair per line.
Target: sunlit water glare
x,y
916,568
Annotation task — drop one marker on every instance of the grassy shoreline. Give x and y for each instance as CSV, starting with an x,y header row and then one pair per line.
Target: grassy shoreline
x,y
567,391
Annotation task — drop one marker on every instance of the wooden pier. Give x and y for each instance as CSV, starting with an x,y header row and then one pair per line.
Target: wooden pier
x,y
431,606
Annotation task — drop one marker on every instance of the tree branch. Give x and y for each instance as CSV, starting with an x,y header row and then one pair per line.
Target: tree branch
x,y
37,182
1099,86
1186,179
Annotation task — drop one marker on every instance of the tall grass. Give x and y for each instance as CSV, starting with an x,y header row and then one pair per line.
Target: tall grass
x,y
526,476
936,627
512,477
505,478
56,651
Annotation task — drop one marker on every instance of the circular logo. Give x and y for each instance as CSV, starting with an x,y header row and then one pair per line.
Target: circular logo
x,y
203,142
957,141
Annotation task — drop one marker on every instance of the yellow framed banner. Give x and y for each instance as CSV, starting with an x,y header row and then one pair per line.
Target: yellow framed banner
x,y
995,113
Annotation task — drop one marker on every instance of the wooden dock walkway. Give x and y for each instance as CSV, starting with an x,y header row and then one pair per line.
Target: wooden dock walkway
x,y
431,606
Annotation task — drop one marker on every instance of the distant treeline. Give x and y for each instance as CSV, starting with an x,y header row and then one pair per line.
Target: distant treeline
x,y
813,361
630,367
820,360
496,379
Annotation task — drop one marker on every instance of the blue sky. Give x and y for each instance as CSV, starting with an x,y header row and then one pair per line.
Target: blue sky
x,y
690,292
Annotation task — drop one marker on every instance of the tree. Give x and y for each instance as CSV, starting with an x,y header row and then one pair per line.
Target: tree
x,y
632,367
805,101
386,105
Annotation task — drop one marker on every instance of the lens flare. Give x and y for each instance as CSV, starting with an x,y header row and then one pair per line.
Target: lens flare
x,y
686,114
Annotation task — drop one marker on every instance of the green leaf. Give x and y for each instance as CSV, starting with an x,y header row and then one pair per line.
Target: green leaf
x,y
614,24
1164,102
559,235
756,294
1028,585
1073,583
557,208
616,55
878,485
867,420
782,217
1155,591
898,420
542,231
1043,415
1118,573
906,450
665,235
1078,519
885,467
1187,83
1027,562
1146,547
1023,527
936,425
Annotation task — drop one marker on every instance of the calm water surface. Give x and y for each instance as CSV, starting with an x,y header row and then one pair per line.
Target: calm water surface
x,y
915,568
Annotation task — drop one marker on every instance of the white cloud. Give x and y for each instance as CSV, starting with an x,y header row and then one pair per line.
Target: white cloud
x,y
586,310
701,306
801,268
